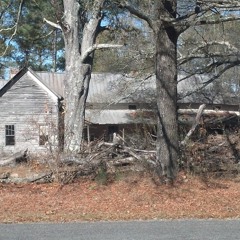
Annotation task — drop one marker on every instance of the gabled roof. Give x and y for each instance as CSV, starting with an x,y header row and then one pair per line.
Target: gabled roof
x,y
11,82
104,88
111,88
34,77
53,80
193,89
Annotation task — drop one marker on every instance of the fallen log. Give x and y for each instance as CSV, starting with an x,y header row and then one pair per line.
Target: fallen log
x,y
6,162
123,161
208,112
123,148
17,158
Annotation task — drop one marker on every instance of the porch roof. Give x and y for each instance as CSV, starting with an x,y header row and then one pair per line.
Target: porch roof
x,y
125,116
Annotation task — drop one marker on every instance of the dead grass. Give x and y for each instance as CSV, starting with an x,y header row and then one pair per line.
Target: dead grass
x,y
128,198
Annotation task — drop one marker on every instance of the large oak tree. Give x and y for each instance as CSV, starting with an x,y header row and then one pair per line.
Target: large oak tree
x,y
168,19
80,23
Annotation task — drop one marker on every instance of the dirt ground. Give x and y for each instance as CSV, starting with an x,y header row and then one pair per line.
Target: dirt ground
x,y
129,197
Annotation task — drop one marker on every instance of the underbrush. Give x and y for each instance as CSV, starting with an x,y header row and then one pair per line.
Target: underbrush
x,y
215,156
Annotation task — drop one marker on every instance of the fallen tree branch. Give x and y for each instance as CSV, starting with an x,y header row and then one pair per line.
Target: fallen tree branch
x,y
197,120
46,176
123,161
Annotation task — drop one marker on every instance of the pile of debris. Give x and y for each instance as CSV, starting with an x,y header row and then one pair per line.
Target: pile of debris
x,y
217,153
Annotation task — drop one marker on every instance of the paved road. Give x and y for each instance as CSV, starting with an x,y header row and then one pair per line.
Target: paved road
x,y
139,230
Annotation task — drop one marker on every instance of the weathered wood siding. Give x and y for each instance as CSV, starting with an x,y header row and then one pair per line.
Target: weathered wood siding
x,y
26,105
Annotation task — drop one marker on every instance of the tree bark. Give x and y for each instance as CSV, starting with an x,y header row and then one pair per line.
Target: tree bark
x,y
79,35
76,90
166,84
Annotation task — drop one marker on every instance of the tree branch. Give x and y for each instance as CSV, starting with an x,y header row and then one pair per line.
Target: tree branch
x,y
137,13
196,53
55,25
15,26
97,47
227,65
197,19
6,8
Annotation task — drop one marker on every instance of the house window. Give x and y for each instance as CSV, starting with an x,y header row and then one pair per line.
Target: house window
x,y
132,107
43,135
10,135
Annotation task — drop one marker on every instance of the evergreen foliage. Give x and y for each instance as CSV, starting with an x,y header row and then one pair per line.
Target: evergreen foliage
x,y
30,42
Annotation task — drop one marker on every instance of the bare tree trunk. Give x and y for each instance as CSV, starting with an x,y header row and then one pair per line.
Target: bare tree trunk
x,y
76,91
166,83
79,35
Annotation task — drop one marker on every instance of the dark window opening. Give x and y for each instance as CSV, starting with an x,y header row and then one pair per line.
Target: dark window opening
x,y
10,135
217,108
132,107
87,136
43,139
92,138
111,130
43,135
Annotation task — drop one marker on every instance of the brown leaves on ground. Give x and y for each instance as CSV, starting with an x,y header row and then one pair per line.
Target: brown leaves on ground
x,y
129,198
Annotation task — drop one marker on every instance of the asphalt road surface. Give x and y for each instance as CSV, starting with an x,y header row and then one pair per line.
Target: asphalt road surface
x,y
137,230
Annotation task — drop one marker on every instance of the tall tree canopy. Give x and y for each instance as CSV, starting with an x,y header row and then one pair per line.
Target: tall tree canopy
x,y
25,39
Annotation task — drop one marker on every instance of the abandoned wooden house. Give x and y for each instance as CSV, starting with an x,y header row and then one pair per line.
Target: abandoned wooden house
x,y
32,113
27,106
32,110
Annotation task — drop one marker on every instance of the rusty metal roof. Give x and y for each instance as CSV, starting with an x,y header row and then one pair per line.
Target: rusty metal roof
x,y
54,81
114,92
106,88
110,88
